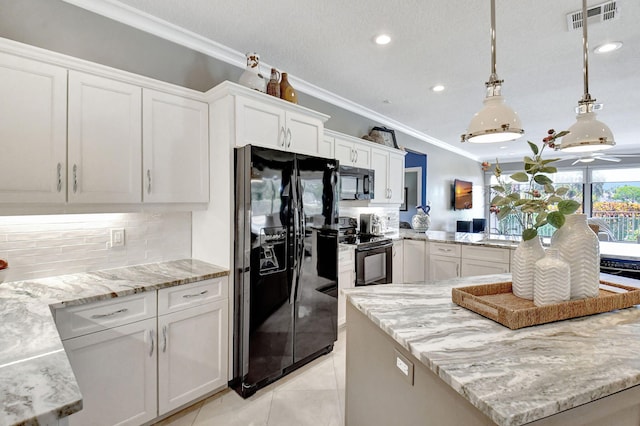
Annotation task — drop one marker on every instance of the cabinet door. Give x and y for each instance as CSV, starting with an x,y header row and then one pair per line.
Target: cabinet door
x,y
346,279
472,267
414,258
379,160
116,372
303,133
105,140
192,354
398,262
343,151
259,124
175,148
395,178
33,131
326,147
362,155
443,267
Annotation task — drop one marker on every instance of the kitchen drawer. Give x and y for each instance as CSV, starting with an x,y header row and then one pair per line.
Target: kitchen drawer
x,y
445,249
346,255
181,297
80,320
493,254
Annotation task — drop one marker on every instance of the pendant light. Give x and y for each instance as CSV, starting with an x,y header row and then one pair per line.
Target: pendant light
x,y
496,121
587,134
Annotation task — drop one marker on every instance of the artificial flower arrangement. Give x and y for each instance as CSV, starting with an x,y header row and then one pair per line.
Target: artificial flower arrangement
x,y
541,203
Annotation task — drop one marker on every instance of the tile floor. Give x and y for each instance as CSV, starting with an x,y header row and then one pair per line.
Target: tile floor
x,y
311,396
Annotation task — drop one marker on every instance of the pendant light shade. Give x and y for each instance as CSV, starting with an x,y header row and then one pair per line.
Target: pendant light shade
x,y
496,121
587,134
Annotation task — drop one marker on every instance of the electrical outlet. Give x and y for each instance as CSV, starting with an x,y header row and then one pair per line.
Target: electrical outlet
x,y
117,237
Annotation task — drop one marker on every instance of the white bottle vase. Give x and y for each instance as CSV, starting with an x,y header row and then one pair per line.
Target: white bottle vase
x,y
251,76
522,270
578,245
551,281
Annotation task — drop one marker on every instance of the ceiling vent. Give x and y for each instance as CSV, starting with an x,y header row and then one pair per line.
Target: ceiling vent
x,y
599,13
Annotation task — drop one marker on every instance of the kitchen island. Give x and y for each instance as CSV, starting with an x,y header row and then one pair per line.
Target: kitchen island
x,y
37,384
416,358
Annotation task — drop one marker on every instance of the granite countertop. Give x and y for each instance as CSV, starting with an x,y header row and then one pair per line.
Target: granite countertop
x,y
628,251
37,384
512,376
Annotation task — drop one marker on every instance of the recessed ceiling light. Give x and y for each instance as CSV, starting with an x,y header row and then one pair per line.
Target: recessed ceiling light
x,y
383,39
504,147
438,88
608,47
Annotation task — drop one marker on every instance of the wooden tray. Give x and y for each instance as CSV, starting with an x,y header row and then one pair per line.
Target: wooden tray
x,y
497,302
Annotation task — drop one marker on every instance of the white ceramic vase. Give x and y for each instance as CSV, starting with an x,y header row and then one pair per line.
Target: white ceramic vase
x,y
578,245
523,268
551,281
251,76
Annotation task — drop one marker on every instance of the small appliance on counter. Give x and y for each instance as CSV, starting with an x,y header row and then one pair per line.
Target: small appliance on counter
x,y
370,224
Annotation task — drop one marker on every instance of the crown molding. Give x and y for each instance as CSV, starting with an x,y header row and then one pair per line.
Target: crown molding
x,y
148,23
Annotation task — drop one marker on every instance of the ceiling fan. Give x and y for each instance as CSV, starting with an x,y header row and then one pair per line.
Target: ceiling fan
x,y
589,158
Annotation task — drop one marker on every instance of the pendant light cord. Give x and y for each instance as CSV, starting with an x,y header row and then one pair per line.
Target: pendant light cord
x,y
493,41
585,55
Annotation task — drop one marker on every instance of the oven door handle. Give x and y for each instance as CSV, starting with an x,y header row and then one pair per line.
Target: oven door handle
x,y
383,246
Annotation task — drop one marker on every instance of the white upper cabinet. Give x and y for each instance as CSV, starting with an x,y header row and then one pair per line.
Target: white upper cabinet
x,y
388,165
352,152
262,120
175,146
33,131
104,141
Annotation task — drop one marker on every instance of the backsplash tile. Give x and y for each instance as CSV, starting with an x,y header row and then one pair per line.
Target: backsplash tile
x,y
42,246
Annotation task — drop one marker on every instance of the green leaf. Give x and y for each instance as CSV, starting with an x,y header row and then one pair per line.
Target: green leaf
x,y
533,147
504,212
499,188
542,180
520,177
562,190
529,234
520,202
562,133
542,217
529,160
555,219
549,169
497,199
554,199
549,160
514,196
568,206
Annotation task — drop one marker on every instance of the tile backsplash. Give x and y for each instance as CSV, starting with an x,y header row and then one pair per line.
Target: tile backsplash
x,y
42,246
389,216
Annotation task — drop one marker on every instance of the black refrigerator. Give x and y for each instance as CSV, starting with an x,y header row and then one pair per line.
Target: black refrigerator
x,y
285,279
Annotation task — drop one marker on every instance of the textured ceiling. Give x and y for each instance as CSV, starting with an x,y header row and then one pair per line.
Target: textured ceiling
x,y
329,44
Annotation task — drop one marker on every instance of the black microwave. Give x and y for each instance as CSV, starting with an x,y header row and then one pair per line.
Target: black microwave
x,y
356,183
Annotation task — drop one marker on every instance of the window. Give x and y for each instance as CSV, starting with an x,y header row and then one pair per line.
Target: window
x,y
615,203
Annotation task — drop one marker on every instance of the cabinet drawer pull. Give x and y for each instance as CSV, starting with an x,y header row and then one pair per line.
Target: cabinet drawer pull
x,y
148,181
164,338
355,151
151,333
288,138
202,293
119,311
75,178
445,250
283,136
59,185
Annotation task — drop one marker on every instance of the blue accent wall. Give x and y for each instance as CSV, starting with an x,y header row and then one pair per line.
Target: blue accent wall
x,y
415,159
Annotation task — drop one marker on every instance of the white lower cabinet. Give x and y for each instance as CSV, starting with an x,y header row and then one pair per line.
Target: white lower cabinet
x,y
443,267
398,263
414,258
481,260
141,356
116,372
192,354
346,278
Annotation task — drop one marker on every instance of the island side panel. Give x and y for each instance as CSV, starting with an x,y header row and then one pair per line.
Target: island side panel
x,y
377,393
